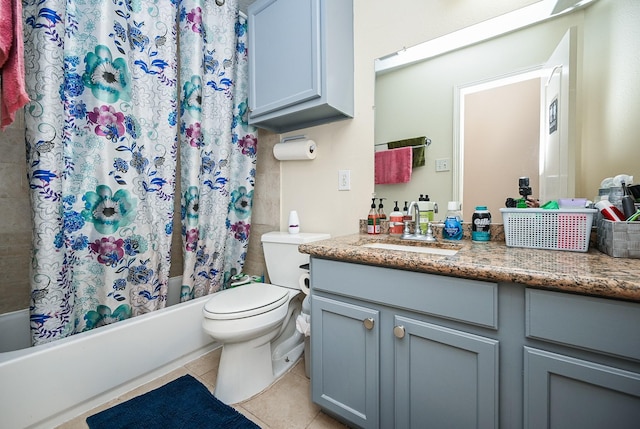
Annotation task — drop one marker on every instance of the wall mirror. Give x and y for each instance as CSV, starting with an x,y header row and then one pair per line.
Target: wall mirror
x,y
423,98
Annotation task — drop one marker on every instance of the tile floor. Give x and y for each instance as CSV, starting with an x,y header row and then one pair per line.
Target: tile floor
x,y
284,405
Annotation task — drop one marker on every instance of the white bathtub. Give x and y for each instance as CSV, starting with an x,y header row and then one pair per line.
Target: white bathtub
x,y
43,386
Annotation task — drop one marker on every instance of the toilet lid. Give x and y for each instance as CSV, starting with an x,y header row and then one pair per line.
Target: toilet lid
x,y
245,301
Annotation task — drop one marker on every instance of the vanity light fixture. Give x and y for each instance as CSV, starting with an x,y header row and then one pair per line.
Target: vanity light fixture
x,y
480,32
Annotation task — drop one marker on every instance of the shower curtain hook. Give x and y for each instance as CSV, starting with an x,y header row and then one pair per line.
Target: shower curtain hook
x,y
220,2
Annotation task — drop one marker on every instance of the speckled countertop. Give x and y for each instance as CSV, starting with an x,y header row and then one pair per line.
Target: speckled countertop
x,y
591,273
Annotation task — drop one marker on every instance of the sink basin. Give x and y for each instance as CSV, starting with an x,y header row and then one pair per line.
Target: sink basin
x,y
416,249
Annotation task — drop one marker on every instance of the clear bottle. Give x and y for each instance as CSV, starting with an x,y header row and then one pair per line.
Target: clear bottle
x,y
373,223
381,214
481,224
452,229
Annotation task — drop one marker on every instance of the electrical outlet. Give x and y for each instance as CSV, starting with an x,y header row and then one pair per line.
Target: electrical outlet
x,y
344,180
443,164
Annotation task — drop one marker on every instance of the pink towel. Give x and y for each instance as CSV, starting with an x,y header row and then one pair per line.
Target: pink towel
x,y
393,165
14,96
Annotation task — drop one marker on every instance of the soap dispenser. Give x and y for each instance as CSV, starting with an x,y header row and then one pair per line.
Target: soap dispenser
x,y
396,221
381,214
373,223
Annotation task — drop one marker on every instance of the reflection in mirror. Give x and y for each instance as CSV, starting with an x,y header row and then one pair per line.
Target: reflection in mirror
x,y
419,100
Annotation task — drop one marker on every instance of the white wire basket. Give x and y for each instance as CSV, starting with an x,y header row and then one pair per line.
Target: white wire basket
x,y
563,229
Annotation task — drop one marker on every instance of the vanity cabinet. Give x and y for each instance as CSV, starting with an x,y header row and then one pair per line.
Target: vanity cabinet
x,y
400,349
380,359
593,379
300,63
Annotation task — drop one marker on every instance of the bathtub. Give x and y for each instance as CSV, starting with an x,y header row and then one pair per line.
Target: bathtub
x,y
46,385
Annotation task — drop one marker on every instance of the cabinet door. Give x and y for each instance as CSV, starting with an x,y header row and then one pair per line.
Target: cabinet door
x,y
345,360
444,378
285,54
565,392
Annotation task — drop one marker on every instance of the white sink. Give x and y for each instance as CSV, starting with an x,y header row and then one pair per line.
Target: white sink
x,y
416,249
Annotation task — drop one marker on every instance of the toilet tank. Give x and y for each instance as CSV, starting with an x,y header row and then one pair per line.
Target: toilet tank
x,y
282,257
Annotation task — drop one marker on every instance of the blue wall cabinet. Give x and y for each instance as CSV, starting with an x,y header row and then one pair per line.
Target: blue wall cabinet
x,y
300,63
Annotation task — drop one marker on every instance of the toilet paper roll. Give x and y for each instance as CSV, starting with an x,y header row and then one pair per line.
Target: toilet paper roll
x,y
303,282
299,150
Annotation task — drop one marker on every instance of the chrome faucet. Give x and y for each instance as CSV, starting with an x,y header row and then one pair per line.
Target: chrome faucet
x,y
417,234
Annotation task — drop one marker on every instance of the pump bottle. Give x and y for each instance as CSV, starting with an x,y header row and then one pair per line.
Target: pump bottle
x,y
373,223
396,218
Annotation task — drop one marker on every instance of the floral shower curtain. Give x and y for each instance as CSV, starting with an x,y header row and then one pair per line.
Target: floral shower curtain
x,y
217,178
102,146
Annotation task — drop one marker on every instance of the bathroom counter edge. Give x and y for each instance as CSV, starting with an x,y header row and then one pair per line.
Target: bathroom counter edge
x,y
589,273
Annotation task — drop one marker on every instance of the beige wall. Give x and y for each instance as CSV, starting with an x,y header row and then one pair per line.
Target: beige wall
x,y
380,28
15,219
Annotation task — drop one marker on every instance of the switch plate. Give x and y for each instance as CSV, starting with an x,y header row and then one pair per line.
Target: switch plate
x,y
443,164
344,180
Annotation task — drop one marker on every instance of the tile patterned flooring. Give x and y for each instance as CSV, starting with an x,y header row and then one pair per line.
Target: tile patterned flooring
x,y
286,404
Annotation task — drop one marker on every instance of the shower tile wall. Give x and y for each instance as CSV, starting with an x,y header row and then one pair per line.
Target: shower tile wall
x,y
15,215
15,219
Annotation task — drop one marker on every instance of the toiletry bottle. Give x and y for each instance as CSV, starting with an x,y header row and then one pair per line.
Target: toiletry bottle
x,y
373,224
628,205
452,229
481,224
381,214
396,218
423,209
405,212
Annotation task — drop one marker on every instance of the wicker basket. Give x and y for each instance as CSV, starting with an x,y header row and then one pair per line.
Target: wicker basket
x,y
564,229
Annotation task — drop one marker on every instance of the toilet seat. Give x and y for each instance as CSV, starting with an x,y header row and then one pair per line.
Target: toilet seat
x,y
245,301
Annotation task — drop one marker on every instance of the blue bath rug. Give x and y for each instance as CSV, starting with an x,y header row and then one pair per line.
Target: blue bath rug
x,y
184,403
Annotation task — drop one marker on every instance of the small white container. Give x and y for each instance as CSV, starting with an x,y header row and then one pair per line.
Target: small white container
x,y
294,222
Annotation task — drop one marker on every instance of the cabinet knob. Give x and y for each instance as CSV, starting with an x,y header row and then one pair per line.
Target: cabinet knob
x,y
398,331
368,323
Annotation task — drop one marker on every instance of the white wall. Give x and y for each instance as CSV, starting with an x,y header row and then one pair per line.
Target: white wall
x,y
380,27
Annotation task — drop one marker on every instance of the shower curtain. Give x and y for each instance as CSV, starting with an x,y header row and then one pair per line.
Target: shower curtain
x,y
217,178
102,147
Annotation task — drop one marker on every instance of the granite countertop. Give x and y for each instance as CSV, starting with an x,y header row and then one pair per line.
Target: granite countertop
x,y
590,273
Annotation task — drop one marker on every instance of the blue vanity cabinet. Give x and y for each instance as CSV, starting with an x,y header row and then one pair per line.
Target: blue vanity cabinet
x,y
300,63
382,356
582,367
345,366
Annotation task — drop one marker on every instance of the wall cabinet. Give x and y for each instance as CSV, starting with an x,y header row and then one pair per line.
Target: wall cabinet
x,y
392,348
300,63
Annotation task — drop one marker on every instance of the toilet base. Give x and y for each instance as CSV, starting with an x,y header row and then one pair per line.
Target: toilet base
x,y
247,368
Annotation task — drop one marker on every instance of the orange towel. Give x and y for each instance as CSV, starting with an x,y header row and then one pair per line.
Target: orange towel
x,y
393,166
14,96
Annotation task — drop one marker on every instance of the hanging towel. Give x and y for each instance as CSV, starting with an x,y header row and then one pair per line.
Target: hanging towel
x,y
418,152
6,29
14,96
393,166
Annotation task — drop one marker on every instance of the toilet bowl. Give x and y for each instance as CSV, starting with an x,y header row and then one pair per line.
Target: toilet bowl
x,y
256,322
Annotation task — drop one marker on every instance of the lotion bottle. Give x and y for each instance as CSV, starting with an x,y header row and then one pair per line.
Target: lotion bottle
x,y
396,218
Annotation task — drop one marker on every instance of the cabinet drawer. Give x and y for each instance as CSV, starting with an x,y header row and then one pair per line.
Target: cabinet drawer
x,y
469,301
598,324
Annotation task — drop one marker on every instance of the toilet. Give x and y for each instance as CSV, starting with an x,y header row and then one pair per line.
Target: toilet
x,y
256,322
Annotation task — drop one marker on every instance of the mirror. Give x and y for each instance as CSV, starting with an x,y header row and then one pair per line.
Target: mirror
x,y
418,100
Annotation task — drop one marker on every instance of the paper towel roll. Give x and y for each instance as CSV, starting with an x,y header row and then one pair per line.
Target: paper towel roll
x,y
299,150
303,282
